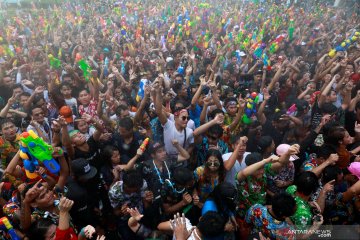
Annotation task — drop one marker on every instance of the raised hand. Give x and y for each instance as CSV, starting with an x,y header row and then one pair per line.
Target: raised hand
x,y
65,204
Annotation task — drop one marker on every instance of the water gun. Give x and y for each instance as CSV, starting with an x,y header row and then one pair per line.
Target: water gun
x,y
106,66
250,108
144,144
54,62
85,68
6,226
266,61
344,45
34,149
141,91
291,29
259,50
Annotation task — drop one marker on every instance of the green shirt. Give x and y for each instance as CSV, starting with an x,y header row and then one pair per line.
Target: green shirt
x,y
303,215
252,190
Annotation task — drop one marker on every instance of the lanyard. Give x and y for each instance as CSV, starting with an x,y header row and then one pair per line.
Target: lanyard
x,y
158,172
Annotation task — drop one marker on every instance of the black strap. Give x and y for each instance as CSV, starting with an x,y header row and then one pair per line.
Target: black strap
x,y
184,138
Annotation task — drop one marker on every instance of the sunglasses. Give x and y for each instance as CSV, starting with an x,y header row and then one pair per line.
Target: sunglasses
x,y
185,118
212,164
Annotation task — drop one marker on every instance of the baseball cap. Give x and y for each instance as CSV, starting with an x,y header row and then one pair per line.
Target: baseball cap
x,y
66,112
155,146
282,149
82,169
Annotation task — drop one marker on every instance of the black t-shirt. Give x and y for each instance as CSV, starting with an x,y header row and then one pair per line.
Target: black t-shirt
x,y
82,211
154,179
93,155
128,151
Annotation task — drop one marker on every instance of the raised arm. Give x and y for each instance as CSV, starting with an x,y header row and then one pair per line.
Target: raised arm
x,y
276,77
158,105
284,159
250,170
219,119
231,161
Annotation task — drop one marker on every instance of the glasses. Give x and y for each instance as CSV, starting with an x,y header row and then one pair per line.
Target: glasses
x,y
185,118
212,164
170,69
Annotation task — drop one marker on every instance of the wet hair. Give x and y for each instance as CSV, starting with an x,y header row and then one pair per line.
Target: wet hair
x,y
108,152
183,176
307,183
264,143
65,84
83,89
283,205
224,196
173,105
24,94
5,121
330,173
17,85
335,135
215,112
211,224
133,179
126,123
216,130
328,108
38,229
121,108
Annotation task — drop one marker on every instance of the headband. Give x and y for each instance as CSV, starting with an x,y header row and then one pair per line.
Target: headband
x,y
177,113
231,103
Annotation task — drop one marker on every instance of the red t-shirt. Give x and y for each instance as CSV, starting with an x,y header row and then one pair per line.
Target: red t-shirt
x,y
67,234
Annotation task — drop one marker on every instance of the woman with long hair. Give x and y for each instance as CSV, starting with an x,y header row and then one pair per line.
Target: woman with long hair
x,y
208,176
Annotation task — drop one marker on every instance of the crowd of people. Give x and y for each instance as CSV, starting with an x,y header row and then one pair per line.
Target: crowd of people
x,y
180,120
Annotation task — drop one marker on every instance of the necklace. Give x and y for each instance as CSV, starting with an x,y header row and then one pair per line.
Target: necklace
x,y
158,172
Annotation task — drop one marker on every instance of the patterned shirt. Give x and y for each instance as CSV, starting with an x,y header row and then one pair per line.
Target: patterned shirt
x,y
204,188
203,148
252,190
262,221
286,174
303,215
90,109
118,197
8,150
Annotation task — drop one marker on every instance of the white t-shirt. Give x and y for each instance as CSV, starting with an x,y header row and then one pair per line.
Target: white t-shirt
x,y
230,175
190,124
171,133
71,102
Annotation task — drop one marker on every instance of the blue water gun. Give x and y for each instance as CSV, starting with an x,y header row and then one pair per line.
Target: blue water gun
x,y
5,225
